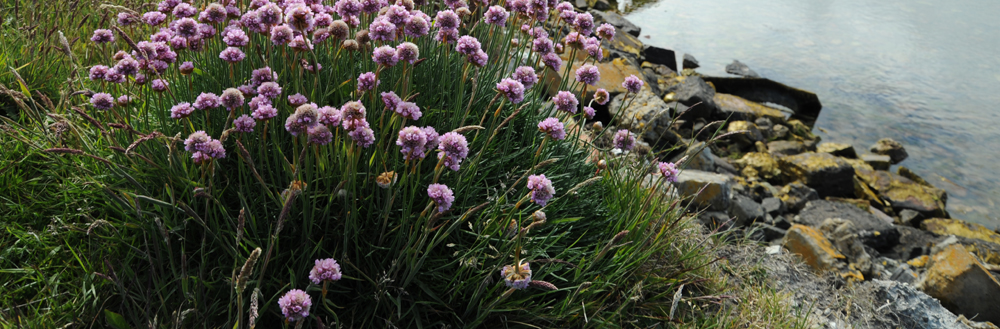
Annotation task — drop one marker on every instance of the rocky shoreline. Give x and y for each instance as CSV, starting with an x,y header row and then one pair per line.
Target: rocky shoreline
x,y
753,166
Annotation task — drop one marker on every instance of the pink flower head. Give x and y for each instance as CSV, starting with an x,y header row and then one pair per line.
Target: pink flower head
x,y
244,124
624,140
397,14
126,19
122,100
574,39
166,6
442,196
593,48
391,100
526,76
601,96
589,112
329,115
270,14
159,85
353,115
564,6
236,38
541,189
264,112
413,141
299,17
373,6
114,76
262,75
552,60
363,136
408,52
232,55
295,305
184,9
102,36
496,15
632,83
669,171
584,23
102,101
542,45
446,19
180,111
517,277
512,89
567,16
553,128
231,98
186,28
213,13
409,110
565,101
319,134
432,137
606,31
297,99
588,74
154,18
186,68
446,35
325,270
382,30
453,149
416,26
322,19
269,89
467,45
385,56
207,101
281,34
366,81
347,8
479,58
97,72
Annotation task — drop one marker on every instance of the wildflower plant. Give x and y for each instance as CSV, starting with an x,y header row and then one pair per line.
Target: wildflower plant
x,y
401,139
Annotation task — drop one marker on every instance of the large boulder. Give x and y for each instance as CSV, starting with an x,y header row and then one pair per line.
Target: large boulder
x,y
623,45
732,107
829,175
805,105
957,227
705,189
760,165
616,20
786,147
962,284
914,309
699,157
873,231
662,56
890,147
913,242
648,116
816,250
740,69
902,193
613,73
690,90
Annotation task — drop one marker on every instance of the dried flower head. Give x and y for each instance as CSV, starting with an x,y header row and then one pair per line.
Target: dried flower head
x,y
541,189
624,140
299,17
231,98
553,128
386,179
295,305
353,115
441,195
601,96
416,26
518,276
408,52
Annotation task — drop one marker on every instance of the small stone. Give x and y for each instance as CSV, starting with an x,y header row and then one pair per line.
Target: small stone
x,y
773,250
690,62
768,232
745,210
962,284
911,217
779,132
815,249
796,195
878,162
745,133
773,206
781,222
890,147
764,124
740,69
838,149
785,147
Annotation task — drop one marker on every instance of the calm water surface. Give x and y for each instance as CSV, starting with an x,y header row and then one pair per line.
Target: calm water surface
x,y
926,73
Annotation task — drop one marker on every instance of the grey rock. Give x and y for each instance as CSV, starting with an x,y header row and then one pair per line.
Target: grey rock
x,y
602,5
877,161
699,157
829,175
714,219
913,308
723,166
773,206
766,232
913,242
781,222
745,211
873,231
693,90
911,217
786,147
648,115
690,62
715,189
779,131
904,274
619,22
580,4
838,149
740,69
890,147
805,105
765,125
796,195
662,56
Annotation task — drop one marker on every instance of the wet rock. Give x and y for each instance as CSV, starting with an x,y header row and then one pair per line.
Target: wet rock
x,y
873,231
648,116
740,69
773,206
779,132
690,90
716,189
733,107
616,20
759,165
816,250
906,172
890,147
902,193
796,195
786,147
805,105
957,227
876,161
913,308
662,56
962,284
745,210
690,62
911,217
837,149
829,175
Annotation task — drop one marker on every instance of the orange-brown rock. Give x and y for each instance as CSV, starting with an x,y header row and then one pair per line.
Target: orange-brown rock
x,y
963,285
815,249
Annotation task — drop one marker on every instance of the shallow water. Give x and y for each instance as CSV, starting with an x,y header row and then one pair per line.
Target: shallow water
x,y
926,73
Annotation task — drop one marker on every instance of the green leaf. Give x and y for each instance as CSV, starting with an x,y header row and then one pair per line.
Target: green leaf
x,y
198,71
566,220
115,320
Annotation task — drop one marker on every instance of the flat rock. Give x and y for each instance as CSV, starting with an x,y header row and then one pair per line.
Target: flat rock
x,y
613,73
805,105
816,250
877,161
766,232
890,147
662,56
715,195
690,90
829,175
786,147
962,284
902,193
745,210
957,227
779,131
732,107
740,69
873,231
690,62
911,217
913,242
616,20
837,149
913,308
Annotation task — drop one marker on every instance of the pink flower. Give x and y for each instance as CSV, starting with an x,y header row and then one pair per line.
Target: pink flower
x,y
588,74
102,36
565,101
413,140
553,128
496,15
517,277
669,171
601,96
295,305
385,56
244,124
624,140
454,148
526,76
541,189
606,31
102,101
325,270
632,84
512,89
442,196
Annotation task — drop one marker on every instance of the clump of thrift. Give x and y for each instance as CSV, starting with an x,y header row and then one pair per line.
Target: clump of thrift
x,y
325,270
441,195
541,189
632,84
295,305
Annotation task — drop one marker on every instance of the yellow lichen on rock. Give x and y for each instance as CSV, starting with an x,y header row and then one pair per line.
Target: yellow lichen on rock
x,y
947,226
816,250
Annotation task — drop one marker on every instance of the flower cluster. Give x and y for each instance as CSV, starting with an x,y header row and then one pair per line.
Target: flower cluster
x,y
325,270
203,147
541,189
295,305
416,141
624,140
441,195
453,148
669,171
553,128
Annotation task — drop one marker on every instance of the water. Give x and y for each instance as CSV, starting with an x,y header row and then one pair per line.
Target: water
x,y
926,73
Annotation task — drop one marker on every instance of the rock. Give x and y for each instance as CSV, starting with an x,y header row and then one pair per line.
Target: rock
x,y
829,175
957,227
690,90
662,56
904,274
779,132
838,149
765,232
740,69
623,45
876,161
873,231
796,195
613,73
815,249
745,210
717,189
759,165
913,242
801,130
764,124
773,206
648,116
616,20
804,105
890,147
902,193
580,4
781,222
744,133
601,5
699,157
732,107
911,217
962,284
714,219
881,215
914,309
690,62
906,172
785,147
723,166
862,191
844,236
